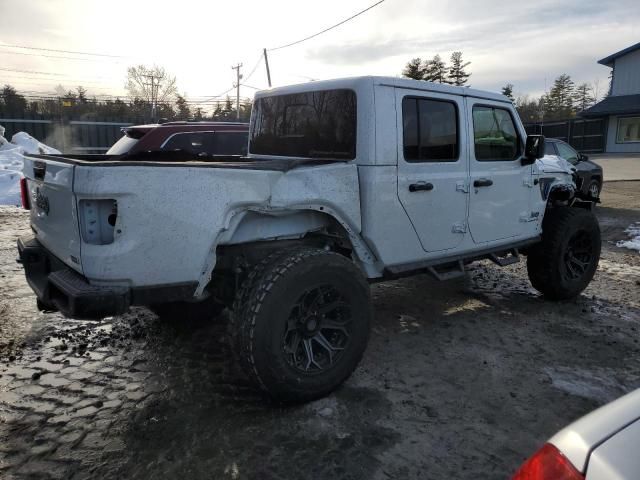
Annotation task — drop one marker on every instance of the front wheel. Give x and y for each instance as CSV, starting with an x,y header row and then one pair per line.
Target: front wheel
x,y
563,264
594,189
302,323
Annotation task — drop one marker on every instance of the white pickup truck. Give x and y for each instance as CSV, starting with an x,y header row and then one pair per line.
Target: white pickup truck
x,y
347,182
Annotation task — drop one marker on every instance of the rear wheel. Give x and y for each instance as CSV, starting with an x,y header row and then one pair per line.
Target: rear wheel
x,y
303,324
563,264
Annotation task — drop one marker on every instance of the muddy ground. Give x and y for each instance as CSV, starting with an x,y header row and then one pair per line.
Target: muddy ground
x,y
461,380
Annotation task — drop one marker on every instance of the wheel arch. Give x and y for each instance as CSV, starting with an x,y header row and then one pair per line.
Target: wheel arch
x,y
258,224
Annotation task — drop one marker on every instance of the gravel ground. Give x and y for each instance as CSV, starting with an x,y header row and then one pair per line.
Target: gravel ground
x,y
461,380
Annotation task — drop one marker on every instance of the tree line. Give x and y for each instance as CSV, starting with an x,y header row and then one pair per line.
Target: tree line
x,y
437,70
152,95
564,100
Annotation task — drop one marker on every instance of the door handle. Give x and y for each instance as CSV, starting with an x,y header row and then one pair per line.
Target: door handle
x,y
482,182
421,187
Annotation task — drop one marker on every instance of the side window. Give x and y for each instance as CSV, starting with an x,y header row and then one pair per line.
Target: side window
x,y
494,133
568,153
549,149
430,130
231,143
192,142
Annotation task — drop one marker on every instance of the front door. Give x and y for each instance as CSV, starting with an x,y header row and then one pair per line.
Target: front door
x,y
432,166
499,184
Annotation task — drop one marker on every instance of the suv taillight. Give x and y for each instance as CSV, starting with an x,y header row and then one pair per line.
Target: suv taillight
x,y
548,463
24,194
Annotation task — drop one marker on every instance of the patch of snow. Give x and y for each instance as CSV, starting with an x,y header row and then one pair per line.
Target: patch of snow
x,y
634,242
598,384
11,159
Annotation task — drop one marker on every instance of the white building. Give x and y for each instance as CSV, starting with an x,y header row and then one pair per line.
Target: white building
x,y
621,109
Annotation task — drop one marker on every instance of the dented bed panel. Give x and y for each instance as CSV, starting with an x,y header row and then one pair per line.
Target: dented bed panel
x,y
170,220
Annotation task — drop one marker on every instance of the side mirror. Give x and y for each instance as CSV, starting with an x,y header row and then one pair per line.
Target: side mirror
x,y
582,157
534,149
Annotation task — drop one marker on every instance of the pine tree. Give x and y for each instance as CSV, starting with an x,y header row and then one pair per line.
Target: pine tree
x,y
436,70
82,94
457,75
583,97
182,108
560,101
228,109
507,91
414,69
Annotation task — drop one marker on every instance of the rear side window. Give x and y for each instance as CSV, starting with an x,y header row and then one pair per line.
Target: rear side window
x,y
495,135
430,130
231,143
209,143
320,124
191,142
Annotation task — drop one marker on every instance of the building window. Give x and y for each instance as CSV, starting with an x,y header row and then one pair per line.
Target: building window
x,y
628,130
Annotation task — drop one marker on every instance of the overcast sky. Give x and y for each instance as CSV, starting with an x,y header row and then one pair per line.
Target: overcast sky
x,y
524,43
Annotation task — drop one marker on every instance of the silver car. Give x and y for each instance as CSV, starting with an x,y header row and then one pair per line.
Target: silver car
x,y
603,445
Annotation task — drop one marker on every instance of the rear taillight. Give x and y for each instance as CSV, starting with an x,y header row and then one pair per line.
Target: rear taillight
x,y
548,463
24,194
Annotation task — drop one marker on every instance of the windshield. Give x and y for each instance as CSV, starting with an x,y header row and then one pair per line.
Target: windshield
x,y
312,124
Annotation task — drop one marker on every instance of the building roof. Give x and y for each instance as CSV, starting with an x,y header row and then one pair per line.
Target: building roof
x,y
614,105
608,61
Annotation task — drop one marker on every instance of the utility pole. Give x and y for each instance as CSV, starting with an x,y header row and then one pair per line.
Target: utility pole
x,y
266,63
238,77
154,83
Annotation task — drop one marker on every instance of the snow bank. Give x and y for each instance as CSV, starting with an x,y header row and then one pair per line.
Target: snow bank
x,y
634,233
11,155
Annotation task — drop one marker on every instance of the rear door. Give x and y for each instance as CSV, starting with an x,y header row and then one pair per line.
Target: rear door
x,y
53,208
500,186
433,166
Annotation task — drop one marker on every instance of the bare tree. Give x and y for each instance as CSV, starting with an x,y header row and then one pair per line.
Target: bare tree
x,y
151,84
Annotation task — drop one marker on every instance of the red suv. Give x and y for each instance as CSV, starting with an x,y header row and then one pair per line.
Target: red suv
x,y
197,138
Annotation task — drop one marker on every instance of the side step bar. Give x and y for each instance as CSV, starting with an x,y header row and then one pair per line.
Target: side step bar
x,y
447,271
510,258
454,266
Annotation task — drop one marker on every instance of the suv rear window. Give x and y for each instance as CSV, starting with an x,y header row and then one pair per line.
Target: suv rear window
x,y
318,124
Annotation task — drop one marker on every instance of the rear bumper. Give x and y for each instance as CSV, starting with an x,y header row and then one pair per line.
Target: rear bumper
x,y
60,288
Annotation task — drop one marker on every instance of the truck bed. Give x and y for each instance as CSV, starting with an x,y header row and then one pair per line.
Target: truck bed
x,y
178,159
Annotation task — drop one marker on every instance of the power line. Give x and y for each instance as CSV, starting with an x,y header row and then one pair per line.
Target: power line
x,y
54,56
327,29
31,71
253,70
62,51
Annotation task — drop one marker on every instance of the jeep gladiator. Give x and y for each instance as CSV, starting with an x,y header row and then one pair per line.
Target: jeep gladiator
x,y
347,182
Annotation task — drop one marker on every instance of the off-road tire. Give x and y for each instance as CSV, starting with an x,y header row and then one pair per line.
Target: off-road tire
x,y
547,261
262,314
207,309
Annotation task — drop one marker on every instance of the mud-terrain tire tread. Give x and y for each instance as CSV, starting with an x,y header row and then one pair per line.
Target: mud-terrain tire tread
x,y
240,304
250,300
544,258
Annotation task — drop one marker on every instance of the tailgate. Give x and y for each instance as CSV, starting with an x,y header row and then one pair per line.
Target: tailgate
x,y
53,208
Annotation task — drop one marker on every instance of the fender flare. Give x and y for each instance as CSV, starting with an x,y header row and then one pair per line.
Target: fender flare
x,y
364,257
